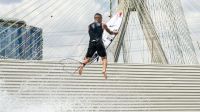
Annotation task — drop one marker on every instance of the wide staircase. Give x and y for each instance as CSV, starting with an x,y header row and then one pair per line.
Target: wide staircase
x,y
129,87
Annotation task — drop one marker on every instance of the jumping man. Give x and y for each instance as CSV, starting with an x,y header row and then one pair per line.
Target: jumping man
x,y
96,43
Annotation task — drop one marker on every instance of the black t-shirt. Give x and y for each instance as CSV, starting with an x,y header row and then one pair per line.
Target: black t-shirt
x,y
95,31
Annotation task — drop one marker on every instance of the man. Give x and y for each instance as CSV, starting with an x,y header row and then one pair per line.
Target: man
x,y
96,44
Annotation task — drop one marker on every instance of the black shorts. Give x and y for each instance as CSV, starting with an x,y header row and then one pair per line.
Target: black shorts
x,y
96,46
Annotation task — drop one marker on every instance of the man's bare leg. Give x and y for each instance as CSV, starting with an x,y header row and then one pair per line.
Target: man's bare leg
x,y
85,61
104,63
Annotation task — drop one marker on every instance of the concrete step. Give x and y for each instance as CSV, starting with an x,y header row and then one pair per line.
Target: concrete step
x,y
129,87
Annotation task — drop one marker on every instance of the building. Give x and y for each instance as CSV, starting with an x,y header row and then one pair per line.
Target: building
x,y
20,41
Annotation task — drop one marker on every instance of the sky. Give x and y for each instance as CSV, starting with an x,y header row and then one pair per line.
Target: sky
x,y
192,14
65,22
10,1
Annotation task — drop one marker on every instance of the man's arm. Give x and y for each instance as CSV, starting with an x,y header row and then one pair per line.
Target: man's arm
x,y
108,30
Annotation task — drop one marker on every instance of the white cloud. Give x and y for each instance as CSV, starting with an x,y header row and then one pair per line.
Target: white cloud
x,y
67,17
62,17
10,1
192,14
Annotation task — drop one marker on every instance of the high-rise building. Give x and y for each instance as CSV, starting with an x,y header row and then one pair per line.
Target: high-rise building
x,y
20,41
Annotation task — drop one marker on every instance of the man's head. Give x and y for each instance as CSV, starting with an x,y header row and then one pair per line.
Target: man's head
x,y
98,17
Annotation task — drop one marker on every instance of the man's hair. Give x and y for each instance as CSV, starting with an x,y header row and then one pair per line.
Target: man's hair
x,y
97,14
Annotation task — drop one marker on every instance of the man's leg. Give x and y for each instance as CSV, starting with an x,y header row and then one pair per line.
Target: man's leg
x,y
91,50
104,63
85,61
102,53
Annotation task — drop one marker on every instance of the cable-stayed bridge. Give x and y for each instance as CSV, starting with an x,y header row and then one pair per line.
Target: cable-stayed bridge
x,y
164,30
153,32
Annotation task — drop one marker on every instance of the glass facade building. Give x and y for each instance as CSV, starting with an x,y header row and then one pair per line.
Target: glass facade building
x,y
19,41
